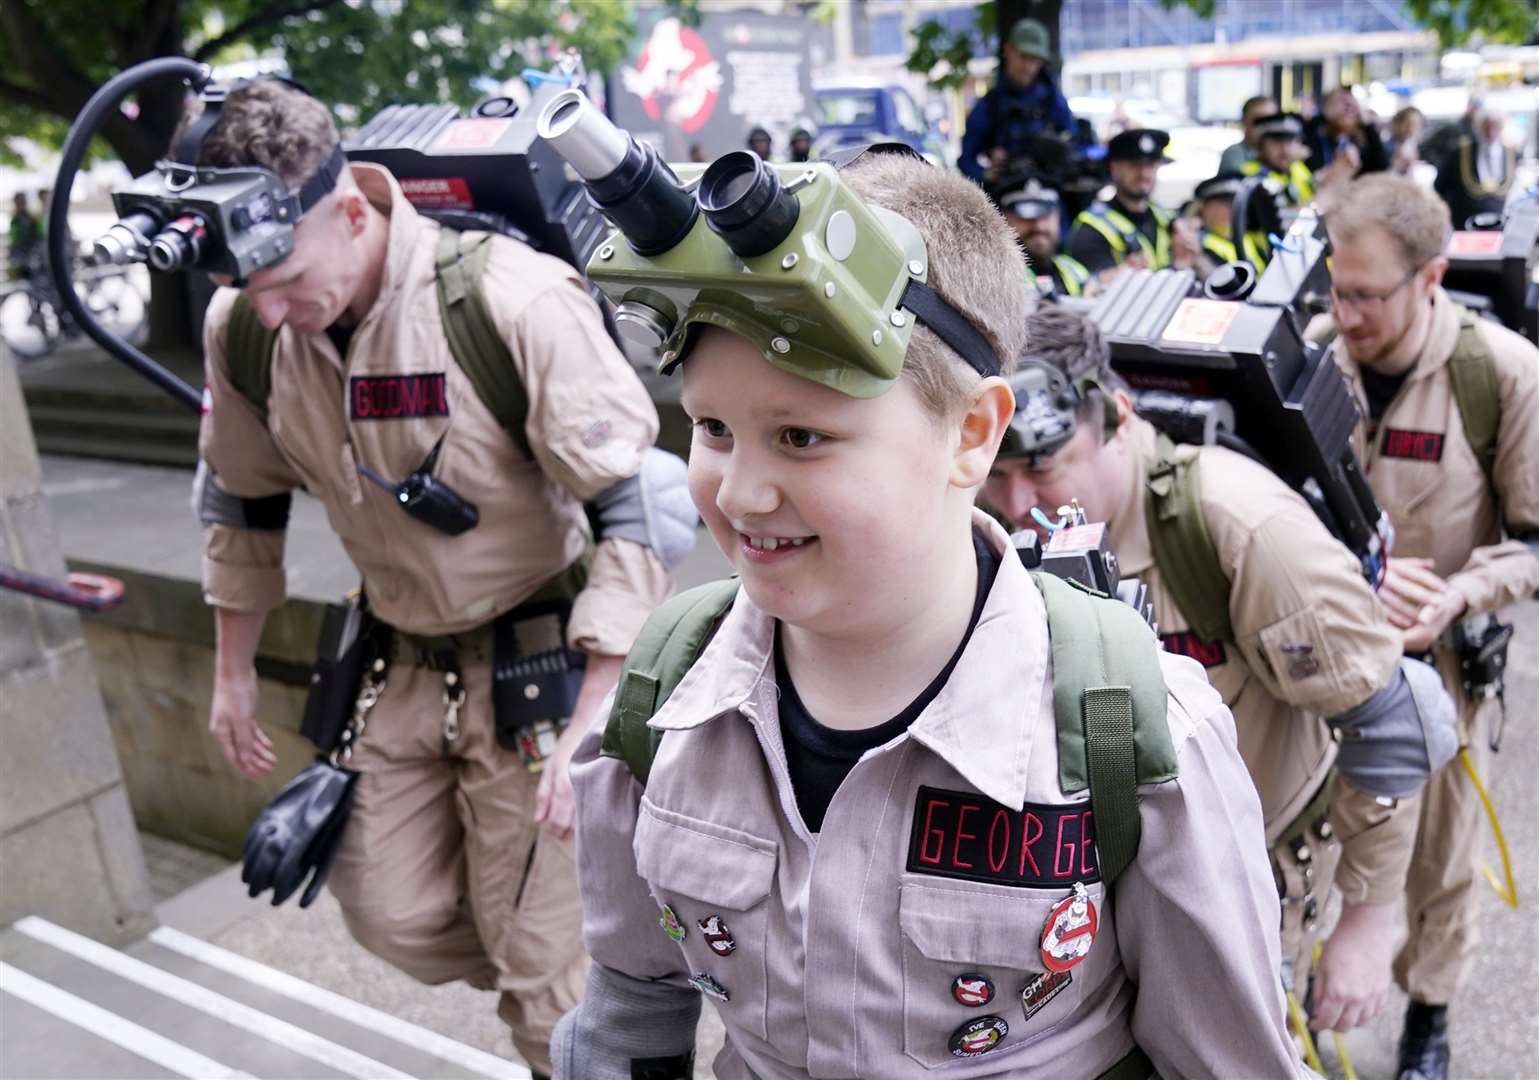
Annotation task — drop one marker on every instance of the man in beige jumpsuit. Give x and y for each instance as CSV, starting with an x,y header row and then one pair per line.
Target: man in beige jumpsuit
x,y
1308,642
444,869
1465,544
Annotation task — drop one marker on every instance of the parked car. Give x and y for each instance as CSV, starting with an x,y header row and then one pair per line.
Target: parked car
x,y
855,111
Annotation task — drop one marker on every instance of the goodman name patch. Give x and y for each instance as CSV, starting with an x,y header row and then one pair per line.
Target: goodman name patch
x,y
960,834
397,397
1414,445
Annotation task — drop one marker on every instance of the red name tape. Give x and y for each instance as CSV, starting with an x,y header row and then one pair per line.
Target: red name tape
x,y
1414,445
1206,653
960,835
397,397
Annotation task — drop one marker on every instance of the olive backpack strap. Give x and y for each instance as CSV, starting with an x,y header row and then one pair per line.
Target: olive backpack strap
x,y
248,351
1472,371
671,640
459,265
1109,701
1183,550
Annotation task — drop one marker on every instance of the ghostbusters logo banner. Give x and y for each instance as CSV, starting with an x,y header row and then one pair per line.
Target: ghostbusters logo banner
x,y
963,835
709,84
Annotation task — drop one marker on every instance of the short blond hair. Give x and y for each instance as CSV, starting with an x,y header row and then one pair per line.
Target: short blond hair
x,y
271,125
975,265
1414,217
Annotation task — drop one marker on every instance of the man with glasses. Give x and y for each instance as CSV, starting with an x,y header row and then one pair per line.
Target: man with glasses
x,y
1458,473
1284,625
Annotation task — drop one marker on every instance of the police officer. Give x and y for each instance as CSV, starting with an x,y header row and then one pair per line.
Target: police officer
x,y
1130,230
1215,206
1024,102
1450,444
801,145
1033,212
1279,158
444,868
760,143
1288,631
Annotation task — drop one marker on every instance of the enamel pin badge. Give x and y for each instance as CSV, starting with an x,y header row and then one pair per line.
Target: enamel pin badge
x,y
1070,931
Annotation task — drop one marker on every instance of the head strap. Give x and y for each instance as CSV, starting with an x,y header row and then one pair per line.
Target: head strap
x,y
948,324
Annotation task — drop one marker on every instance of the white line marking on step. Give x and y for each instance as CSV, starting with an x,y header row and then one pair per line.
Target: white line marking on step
x,y
112,1027
284,1034
420,1038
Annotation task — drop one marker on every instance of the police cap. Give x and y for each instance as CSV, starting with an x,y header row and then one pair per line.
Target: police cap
x,y
1223,186
1138,144
1031,201
1280,126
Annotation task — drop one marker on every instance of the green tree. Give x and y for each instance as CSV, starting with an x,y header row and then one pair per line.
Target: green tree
x,y
355,54
1457,21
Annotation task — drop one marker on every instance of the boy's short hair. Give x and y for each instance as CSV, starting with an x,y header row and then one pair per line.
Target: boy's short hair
x,y
272,125
1071,343
1414,216
975,265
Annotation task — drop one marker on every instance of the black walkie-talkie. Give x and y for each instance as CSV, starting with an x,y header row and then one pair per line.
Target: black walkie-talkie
x,y
430,501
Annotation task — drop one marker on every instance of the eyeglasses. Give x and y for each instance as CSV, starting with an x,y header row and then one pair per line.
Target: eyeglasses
x,y
1361,300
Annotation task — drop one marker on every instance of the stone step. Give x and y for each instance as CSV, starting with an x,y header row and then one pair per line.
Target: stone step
x,y
173,1005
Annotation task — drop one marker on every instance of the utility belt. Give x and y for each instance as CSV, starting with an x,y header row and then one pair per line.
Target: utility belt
x,y
535,678
1314,818
1480,643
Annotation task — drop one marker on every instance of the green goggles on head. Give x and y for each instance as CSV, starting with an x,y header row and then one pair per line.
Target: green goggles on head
x,y
1047,408
789,257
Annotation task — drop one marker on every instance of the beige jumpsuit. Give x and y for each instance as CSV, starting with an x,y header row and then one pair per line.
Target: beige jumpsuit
x,y
1310,641
1425,476
442,870
913,920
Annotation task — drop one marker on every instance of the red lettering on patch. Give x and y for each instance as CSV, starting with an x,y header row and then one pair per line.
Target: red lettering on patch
x,y
947,840
438,193
397,397
1207,653
1413,445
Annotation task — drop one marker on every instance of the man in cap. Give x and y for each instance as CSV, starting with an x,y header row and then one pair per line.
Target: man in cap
x,y
801,145
759,142
1025,103
1033,212
1281,160
1130,230
1215,209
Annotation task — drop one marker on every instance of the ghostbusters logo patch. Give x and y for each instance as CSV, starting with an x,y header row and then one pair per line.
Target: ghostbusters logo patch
x,y
978,1036
972,990
716,935
1069,932
963,835
1209,654
1042,989
397,397
1413,445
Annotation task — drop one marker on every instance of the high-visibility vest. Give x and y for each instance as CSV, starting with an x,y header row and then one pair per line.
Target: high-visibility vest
x,y
1071,278
1257,249
1122,234
1298,183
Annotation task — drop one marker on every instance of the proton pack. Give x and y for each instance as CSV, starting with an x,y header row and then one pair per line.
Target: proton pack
x,y
1183,350
1493,270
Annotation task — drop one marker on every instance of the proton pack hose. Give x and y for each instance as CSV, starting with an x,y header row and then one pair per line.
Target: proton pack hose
x,y
59,255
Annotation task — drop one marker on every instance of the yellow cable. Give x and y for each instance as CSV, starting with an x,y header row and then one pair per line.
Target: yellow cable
x,y
1509,892
1302,1027
1344,1058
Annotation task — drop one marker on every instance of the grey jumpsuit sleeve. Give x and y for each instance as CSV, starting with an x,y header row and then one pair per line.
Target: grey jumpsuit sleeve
x,y
639,1005
1197,911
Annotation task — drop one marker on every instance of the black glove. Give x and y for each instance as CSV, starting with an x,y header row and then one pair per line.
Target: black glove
x,y
298,832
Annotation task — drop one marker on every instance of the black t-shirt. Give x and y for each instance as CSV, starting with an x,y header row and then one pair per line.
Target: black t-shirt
x,y
821,757
341,336
1091,248
1381,390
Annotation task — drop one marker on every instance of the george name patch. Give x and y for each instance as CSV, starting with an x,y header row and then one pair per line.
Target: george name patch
x,y
1207,653
1413,445
963,835
397,397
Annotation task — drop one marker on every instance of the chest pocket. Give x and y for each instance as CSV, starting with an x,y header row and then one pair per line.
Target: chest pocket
x,y
993,932
717,882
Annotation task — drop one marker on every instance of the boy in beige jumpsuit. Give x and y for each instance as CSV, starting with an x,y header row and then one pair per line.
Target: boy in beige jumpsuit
x,y
896,925
1309,644
1464,544
444,869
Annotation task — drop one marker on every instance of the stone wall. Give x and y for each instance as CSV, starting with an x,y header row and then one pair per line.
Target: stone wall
x,y
68,847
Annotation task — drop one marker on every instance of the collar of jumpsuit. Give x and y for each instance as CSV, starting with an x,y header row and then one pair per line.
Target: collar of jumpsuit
x,y
382,190
1129,532
740,660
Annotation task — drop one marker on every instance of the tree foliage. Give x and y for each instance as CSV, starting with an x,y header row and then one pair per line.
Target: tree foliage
x,y
1458,21
355,54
